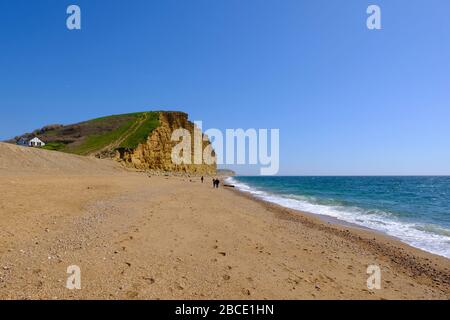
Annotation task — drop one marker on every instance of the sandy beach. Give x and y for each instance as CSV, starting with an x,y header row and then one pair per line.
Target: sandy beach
x,y
137,236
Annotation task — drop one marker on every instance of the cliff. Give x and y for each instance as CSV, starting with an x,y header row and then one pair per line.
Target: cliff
x,y
156,152
140,140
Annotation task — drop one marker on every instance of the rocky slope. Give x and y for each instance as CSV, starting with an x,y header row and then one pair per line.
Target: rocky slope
x,y
156,152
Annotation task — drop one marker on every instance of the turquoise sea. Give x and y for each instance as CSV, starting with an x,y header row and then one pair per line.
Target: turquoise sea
x,y
416,210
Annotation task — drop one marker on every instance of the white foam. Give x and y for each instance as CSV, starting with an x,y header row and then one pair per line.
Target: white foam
x,y
431,238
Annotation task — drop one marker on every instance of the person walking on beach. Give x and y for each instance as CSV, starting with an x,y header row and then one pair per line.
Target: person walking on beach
x,y
202,179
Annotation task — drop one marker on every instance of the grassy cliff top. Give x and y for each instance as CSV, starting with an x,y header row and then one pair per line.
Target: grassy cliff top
x,y
92,136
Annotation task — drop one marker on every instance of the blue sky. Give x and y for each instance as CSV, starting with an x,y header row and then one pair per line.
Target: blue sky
x,y
347,100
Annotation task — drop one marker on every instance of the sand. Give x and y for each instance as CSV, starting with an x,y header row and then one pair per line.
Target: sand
x,y
136,236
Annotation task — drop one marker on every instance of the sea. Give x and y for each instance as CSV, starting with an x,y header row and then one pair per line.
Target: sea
x,y
416,210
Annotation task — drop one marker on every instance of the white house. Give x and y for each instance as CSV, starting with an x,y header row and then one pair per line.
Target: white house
x,y
35,142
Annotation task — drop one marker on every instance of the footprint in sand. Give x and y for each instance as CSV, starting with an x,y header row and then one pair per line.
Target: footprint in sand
x,y
246,292
179,287
132,294
149,280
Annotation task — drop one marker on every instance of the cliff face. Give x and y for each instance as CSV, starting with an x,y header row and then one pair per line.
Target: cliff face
x,y
156,153
140,140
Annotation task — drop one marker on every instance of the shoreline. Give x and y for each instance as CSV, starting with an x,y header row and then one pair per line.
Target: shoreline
x,y
401,253
337,221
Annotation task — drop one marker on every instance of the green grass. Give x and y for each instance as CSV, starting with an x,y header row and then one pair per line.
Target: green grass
x,y
106,118
143,131
97,142
56,146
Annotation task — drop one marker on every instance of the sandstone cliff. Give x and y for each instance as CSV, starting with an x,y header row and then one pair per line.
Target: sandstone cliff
x,y
140,140
155,153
